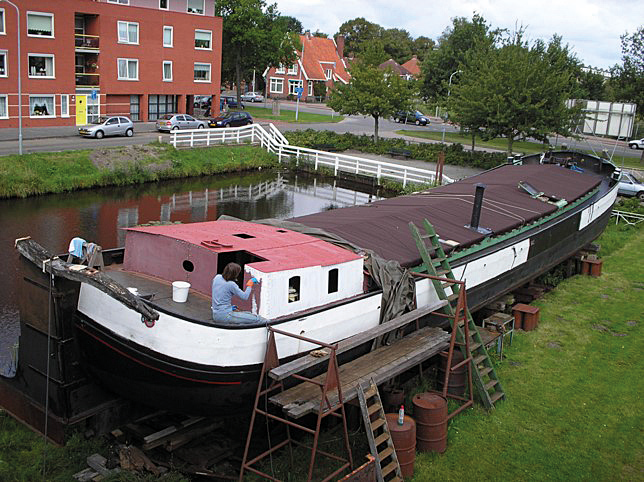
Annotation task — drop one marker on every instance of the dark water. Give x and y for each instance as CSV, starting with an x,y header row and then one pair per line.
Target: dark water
x,y
98,216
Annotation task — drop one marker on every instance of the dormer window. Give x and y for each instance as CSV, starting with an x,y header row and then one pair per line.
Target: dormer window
x,y
292,70
328,74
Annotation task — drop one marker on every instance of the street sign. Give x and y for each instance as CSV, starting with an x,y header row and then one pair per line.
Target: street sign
x,y
94,95
299,90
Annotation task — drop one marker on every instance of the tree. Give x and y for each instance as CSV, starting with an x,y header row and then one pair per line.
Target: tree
x,y
398,44
453,46
291,24
254,36
374,92
422,47
358,33
515,91
591,85
627,79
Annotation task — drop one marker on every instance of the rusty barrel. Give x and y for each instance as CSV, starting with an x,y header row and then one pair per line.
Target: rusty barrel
x,y
404,439
457,378
430,412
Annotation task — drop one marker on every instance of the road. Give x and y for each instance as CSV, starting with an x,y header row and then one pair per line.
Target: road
x,y
66,138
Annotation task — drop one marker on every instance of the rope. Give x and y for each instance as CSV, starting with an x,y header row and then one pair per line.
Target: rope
x,y
49,316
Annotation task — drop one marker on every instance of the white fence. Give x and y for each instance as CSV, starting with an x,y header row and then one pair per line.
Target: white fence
x,y
628,218
273,141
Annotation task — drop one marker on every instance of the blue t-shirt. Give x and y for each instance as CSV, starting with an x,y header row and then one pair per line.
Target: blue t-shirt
x,y
222,293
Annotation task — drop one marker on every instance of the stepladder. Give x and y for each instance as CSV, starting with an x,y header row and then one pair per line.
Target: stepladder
x,y
437,266
378,434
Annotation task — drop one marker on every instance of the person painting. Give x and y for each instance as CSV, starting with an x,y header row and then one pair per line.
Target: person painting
x,y
224,288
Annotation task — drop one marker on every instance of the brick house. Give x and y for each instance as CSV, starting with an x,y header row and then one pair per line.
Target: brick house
x,y
81,59
320,61
412,66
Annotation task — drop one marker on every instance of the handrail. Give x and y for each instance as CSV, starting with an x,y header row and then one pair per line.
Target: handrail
x,y
629,218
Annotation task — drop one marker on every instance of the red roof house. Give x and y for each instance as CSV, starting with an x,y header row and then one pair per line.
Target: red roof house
x,y
319,61
412,66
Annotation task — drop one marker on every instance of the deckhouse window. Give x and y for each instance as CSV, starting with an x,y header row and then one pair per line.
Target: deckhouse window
x,y
333,281
294,289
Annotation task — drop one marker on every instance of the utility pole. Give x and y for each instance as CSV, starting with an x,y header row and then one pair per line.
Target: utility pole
x,y
301,62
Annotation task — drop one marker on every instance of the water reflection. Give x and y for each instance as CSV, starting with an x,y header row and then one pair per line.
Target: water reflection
x,y
99,216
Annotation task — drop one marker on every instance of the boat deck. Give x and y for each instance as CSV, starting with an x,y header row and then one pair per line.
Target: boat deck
x,y
159,294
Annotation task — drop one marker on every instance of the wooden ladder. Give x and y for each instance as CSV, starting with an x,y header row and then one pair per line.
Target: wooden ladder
x,y
378,433
436,264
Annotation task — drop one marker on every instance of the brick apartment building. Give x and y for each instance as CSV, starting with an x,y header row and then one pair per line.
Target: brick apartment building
x,y
81,59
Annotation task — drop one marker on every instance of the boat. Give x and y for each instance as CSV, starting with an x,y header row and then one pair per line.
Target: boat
x,y
499,229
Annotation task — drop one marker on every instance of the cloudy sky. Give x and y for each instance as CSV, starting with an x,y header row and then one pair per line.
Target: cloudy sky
x,y
591,27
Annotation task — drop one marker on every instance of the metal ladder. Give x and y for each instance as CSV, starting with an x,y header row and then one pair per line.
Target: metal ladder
x,y
378,433
487,383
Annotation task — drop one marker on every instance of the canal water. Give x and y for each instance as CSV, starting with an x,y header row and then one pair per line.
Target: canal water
x,y
100,214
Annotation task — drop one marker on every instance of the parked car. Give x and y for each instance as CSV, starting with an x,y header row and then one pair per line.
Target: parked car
x,y
631,184
636,144
108,126
415,117
172,122
202,101
231,119
230,101
252,97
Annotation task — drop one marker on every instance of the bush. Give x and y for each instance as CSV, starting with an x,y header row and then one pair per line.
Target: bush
x,y
454,153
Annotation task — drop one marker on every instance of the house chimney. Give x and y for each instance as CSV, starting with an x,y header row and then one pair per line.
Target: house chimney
x,y
339,41
308,34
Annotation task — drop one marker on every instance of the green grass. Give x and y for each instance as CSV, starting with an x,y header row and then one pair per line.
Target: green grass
x,y
574,408
55,172
289,116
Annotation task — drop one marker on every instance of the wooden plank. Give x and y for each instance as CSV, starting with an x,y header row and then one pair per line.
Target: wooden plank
x,y
381,364
308,361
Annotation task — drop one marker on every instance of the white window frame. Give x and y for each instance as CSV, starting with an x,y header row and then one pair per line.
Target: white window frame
x,y
51,116
120,2
127,30
292,85
42,14
6,104
292,70
280,69
5,53
167,3
171,28
53,66
208,81
163,77
126,68
310,90
277,80
3,24
209,32
328,74
203,8
64,113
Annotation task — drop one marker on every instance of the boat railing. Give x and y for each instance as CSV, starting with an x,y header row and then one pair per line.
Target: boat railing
x,y
629,218
273,141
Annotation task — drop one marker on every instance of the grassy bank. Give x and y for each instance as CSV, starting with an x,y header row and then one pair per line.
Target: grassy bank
x,y
289,115
55,172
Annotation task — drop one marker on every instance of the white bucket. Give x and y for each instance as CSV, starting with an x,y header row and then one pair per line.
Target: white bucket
x,y
180,291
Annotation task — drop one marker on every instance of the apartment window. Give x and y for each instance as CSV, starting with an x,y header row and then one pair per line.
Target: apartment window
x,y
203,39
40,24
64,105
128,32
168,34
292,85
2,26
292,70
3,63
277,85
159,105
167,71
41,66
202,72
328,74
134,107
122,2
280,69
195,6
128,69
310,94
41,106
163,4
4,107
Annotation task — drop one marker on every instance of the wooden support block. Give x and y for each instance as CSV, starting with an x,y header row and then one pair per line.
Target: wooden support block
x,y
592,267
526,317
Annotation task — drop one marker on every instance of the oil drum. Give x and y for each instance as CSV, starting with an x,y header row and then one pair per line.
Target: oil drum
x,y
457,378
430,412
404,439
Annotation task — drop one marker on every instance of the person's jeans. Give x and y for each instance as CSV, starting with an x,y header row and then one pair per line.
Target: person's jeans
x,y
236,317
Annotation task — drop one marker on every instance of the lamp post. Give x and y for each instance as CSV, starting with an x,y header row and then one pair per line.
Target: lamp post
x,y
300,83
449,89
19,80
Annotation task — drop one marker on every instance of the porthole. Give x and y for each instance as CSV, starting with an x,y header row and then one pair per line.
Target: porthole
x,y
188,266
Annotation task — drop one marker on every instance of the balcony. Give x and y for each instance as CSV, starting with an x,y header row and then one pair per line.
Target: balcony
x,y
84,79
86,43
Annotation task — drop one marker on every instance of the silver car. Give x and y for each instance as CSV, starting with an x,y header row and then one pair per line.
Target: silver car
x,y
630,184
252,97
636,144
173,122
108,126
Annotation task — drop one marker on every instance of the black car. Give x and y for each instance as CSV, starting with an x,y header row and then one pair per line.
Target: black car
x,y
231,119
415,117
230,101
